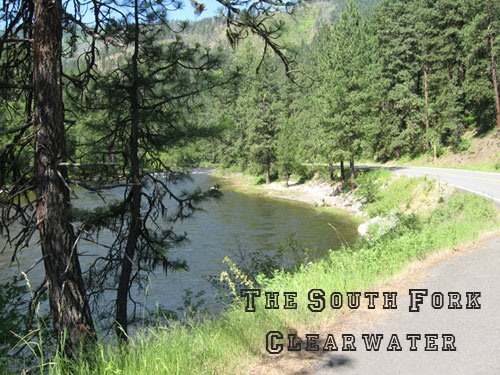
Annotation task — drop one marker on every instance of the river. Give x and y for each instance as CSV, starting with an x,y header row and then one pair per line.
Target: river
x,y
237,222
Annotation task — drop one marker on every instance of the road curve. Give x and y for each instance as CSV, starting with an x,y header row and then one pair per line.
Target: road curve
x,y
476,331
486,184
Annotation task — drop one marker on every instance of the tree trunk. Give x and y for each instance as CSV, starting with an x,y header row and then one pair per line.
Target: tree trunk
x,y
135,205
68,304
493,68
330,166
351,168
426,96
495,85
342,171
268,165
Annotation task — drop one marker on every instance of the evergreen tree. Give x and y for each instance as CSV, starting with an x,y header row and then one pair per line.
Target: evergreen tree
x,y
262,110
448,104
35,193
31,45
345,85
482,49
143,105
287,151
401,117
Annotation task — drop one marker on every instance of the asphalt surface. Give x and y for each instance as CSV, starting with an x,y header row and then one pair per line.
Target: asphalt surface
x,y
476,331
486,184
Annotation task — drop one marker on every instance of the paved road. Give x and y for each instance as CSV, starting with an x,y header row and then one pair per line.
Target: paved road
x,y
486,184
477,332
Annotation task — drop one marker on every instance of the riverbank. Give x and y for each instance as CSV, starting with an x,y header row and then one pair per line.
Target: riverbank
x,y
317,192
426,220
374,195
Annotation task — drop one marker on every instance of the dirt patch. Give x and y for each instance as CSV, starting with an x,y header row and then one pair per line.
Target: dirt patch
x,y
427,196
483,153
310,192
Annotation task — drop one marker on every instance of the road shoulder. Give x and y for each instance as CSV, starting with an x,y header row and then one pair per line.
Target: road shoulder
x,y
462,261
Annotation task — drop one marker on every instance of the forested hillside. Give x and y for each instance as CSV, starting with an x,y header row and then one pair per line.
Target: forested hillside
x,y
300,29
401,78
124,102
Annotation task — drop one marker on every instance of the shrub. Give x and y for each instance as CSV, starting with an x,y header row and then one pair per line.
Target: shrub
x,y
13,316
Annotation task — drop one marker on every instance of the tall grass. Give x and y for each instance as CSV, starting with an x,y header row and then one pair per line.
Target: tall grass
x,y
231,342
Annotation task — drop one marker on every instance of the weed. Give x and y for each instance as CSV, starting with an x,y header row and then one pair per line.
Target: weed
x,y
229,343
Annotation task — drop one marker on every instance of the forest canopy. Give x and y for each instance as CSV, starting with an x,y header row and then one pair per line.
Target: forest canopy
x,y
129,99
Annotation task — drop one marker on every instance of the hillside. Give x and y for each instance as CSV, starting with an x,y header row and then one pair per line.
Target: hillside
x,y
301,26
211,32
479,152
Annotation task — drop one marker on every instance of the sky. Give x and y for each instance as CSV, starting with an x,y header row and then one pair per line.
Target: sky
x,y
187,12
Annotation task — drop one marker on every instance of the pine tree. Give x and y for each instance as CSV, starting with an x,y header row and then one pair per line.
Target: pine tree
x,y
262,110
345,85
482,49
31,46
31,73
448,101
401,117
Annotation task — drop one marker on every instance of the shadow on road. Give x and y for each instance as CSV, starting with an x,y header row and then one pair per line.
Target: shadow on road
x,y
337,361
368,167
333,362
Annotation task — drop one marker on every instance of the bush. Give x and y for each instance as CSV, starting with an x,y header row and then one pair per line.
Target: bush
x,y
303,172
367,189
398,193
13,316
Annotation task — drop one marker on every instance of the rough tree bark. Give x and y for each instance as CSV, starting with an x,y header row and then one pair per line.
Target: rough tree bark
x,y
351,168
342,171
135,225
68,304
493,66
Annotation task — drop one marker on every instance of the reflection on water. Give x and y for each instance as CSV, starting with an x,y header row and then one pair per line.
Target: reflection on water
x,y
236,221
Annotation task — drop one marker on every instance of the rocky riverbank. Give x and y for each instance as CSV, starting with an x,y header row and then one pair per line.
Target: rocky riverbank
x,y
317,192
424,197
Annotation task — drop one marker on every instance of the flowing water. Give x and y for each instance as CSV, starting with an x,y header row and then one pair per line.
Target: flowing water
x,y
237,222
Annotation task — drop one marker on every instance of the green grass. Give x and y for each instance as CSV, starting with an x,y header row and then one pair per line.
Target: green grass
x,y
397,194
421,162
230,343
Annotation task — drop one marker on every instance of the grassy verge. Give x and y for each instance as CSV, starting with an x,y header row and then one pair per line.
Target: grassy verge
x,y
426,161
230,343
